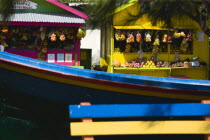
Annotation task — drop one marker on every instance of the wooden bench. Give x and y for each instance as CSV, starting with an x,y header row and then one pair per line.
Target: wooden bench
x,y
151,126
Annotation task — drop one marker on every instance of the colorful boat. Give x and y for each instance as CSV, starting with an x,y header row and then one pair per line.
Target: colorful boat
x,y
72,85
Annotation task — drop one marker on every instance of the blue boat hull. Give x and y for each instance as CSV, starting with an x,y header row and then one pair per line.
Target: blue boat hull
x,y
72,85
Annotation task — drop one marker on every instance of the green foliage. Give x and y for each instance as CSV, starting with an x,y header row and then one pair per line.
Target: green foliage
x,y
6,9
100,12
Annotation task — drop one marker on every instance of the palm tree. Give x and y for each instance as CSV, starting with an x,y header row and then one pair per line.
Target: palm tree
x,y
101,11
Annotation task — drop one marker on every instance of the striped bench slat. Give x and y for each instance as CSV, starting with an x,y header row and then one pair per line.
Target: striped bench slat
x,y
139,127
139,110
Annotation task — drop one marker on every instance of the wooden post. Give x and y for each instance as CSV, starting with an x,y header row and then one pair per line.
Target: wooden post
x,y
207,118
87,120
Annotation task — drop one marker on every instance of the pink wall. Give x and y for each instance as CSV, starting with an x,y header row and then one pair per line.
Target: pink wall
x,y
34,54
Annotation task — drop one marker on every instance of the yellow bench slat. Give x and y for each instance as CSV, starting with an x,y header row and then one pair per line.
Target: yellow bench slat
x,y
139,127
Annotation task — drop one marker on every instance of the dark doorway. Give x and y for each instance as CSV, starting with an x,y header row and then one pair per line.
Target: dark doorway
x,y
86,58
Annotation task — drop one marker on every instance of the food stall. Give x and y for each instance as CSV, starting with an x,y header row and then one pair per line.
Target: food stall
x,y
139,48
46,30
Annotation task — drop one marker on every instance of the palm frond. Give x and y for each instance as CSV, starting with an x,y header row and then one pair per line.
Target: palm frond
x,y
101,11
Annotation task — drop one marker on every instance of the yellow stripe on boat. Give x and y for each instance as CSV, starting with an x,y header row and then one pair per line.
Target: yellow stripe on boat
x,y
103,87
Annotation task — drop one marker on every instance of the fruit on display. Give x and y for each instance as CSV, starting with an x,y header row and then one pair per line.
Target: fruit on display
x,y
127,48
182,34
156,42
149,64
189,37
130,38
177,64
159,63
169,40
53,37
43,36
137,65
184,45
187,64
166,64
122,37
117,36
44,49
24,37
62,37
81,33
144,63
148,38
128,64
139,38
176,35
165,37
117,63
2,41
4,29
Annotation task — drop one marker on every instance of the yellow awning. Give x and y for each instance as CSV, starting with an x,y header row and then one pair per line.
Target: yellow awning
x,y
149,27
128,19
140,27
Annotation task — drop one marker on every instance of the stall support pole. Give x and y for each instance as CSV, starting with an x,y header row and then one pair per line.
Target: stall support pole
x,y
207,118
112,48
87,120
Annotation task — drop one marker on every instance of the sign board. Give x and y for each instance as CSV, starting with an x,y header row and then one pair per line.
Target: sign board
x,y
68,57
51,58
24,4
60,57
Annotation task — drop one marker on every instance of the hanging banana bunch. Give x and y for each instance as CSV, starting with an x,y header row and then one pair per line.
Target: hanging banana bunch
x,y
81,33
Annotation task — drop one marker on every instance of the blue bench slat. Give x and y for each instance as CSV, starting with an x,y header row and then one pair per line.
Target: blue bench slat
x,y
139,110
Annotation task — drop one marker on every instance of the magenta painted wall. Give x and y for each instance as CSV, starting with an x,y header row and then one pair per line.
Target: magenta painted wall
x,y
34,54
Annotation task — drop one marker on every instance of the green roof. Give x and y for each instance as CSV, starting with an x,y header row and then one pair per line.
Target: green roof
x,y
43,7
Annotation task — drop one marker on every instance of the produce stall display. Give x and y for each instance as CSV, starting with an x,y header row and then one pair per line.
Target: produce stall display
x,y
138,47
49,34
